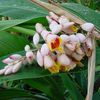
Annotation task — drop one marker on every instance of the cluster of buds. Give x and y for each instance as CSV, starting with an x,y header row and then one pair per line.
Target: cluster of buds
x,y
63,46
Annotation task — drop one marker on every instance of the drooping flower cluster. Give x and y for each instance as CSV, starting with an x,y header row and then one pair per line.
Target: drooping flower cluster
x,y
62,50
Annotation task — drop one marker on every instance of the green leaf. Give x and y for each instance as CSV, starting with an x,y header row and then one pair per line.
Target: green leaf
x,y
84,12
71,87
7,94
10,43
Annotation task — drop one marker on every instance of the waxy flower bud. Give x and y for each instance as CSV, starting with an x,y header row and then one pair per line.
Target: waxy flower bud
x,y
87,27
39,28
36,39
30,57
15,56
53,16
73,38
81,37
45,50
8,70
44,34
39,58
48,62
27,48
62,20
49,19
68,25
2,71
64,60
7,61
65,38
17,67
55,28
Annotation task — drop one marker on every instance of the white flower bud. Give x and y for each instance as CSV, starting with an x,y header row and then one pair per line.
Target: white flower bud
x,y
30,57
2,71
81,37
27,48
15,57
89,43
39,58
55,28
52,24
44,34
63,20
36,39
7,61
8,70
48,62
65,38
53,16
49,19
51,37
73,38
39,27
17,67
45,50
64,60
87,27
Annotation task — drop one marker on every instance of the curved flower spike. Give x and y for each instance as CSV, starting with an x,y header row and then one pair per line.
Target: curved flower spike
x,y
30,57
36,39
39,58
45,50
64,62
39,27
87,27
65,38
53,16
15,56
81,37
7,60
54,42
62,20
27,48
17,67
55,27
44,34
50,64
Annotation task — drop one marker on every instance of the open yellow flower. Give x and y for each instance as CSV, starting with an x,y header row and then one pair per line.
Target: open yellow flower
x,y
54,43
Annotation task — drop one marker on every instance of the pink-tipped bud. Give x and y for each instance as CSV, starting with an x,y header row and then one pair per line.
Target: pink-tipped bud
x,y
73,38
27,48
17,67
48,62
64,60
8,70
15,56
7,61
81,37
67,25
39,58
53,16
45,50
39,27
36,39
87,27
44,34
49,19
30,57
65,38
62,20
